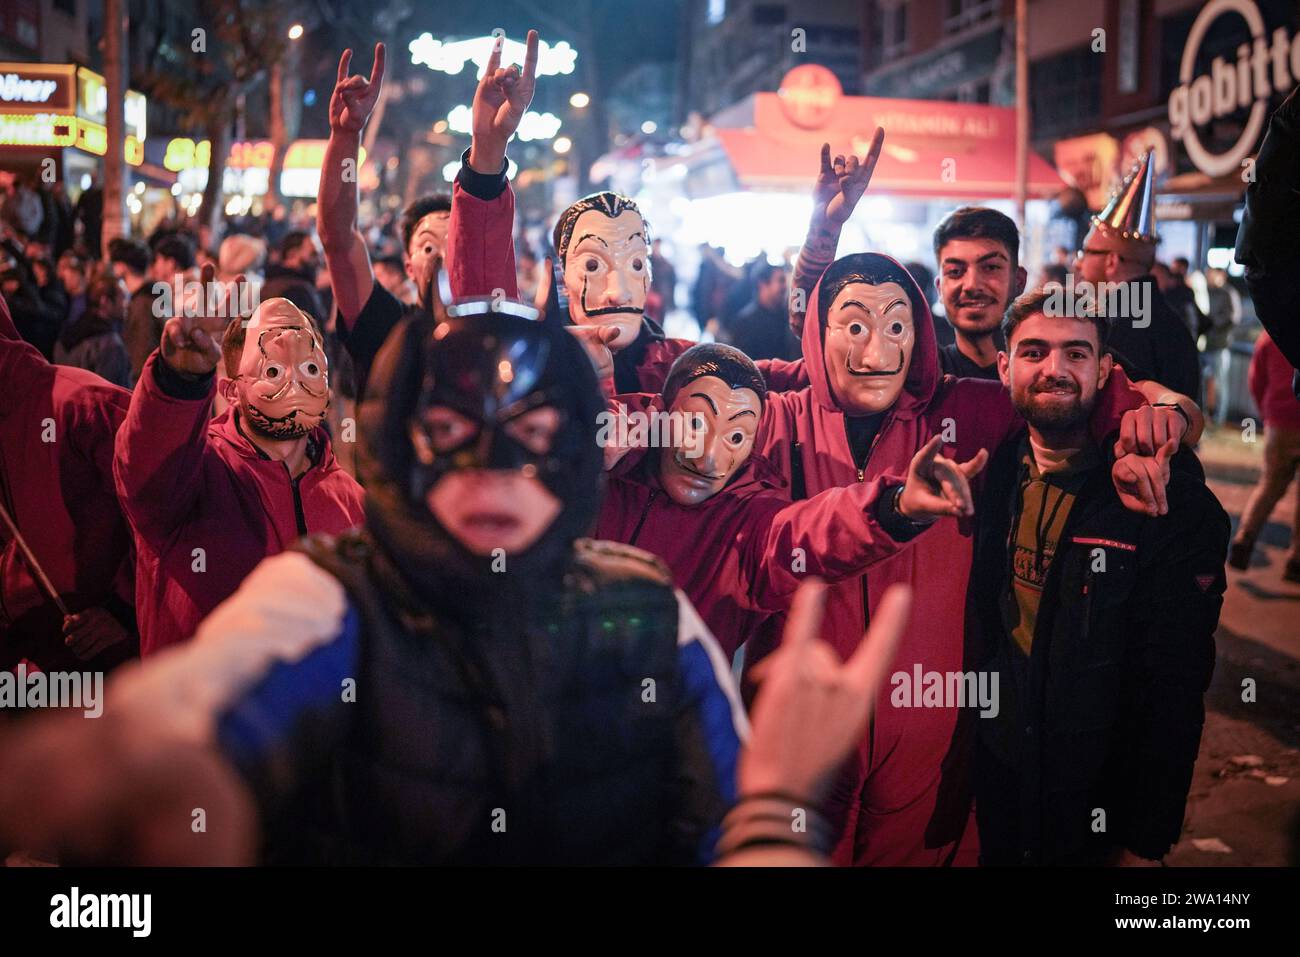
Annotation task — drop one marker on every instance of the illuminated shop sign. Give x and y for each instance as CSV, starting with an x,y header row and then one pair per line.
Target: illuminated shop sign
x,y
1268,64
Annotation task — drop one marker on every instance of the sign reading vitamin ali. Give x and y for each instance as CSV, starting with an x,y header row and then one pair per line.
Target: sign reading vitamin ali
x,y
809,95
1266,65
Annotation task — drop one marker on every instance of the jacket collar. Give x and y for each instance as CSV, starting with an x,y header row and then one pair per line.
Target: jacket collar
x,y
228,428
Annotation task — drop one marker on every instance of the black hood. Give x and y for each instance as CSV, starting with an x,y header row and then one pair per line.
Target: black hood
x,y
457,362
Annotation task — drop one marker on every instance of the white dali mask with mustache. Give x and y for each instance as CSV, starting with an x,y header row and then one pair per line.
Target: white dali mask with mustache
x,y
607,272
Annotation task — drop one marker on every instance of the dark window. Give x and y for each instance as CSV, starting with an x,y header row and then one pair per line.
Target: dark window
x,y
1065,92
769,14
893,32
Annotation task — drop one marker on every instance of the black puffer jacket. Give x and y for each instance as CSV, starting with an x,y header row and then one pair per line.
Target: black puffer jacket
x,y
1266,242
1107,713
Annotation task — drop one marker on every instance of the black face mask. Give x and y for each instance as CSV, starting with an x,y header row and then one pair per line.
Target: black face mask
x,y
493,373
490,369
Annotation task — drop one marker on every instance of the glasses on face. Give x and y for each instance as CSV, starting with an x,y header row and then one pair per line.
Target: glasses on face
x,y
1090,252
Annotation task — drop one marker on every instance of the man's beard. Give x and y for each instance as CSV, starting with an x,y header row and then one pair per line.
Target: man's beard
x,y
292,426
1056,417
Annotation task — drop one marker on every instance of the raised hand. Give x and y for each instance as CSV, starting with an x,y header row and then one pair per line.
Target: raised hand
x,y
354,97
1143,430
841,182
811,709
499,104
1140,480
192,343
598,341
937,486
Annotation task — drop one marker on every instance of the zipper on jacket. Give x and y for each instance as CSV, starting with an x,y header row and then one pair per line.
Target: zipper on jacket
x,y
645,512
298,514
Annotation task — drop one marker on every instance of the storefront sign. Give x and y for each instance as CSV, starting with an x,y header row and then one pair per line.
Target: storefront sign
x,y
939,71
248,166
1266,66
27,88
809,95
63,105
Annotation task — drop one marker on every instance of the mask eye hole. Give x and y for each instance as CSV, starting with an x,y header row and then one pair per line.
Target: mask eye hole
x,y
896,328
638,265
856,329
591,264
535,430
311,369
447,429
273,372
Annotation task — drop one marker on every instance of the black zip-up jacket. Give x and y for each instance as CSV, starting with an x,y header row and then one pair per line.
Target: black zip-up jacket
x,y
1103,728
1266,242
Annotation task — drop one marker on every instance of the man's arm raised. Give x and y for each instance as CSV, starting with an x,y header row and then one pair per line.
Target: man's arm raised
x,y
351,103
840,184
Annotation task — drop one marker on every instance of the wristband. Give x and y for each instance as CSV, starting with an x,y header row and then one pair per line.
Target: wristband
x,y
768,819
1179,409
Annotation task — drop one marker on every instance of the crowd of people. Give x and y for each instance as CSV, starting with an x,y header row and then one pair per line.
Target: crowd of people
x,y
405,587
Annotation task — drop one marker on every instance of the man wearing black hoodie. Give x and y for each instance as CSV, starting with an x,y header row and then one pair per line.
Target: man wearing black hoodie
x,y
294,276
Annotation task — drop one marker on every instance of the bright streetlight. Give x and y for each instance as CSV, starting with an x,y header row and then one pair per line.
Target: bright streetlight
x,y
579,100
295,31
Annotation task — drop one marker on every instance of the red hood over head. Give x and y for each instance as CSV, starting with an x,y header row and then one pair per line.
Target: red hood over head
x,y
923,374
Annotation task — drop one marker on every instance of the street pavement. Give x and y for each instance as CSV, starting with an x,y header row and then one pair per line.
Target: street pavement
x,y
1244,806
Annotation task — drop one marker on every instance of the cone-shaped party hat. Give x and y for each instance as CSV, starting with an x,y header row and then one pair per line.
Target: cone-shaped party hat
x,y
1131,212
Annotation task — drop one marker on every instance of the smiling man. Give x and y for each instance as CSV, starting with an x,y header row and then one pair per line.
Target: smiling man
x,y
1101,618
978,251
877,397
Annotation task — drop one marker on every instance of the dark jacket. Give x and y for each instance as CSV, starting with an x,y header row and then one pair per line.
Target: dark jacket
x,y
142,330
93,343
535,721
1163,351
1109,715
1266,243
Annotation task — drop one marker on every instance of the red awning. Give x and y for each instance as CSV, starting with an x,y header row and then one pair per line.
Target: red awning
x,y
932,148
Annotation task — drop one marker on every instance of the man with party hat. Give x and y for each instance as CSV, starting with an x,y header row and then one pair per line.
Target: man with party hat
x,y
1113,269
